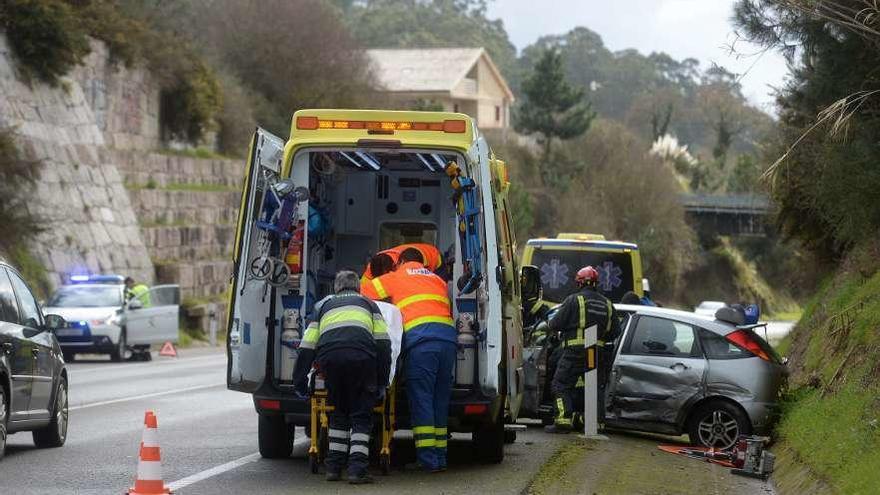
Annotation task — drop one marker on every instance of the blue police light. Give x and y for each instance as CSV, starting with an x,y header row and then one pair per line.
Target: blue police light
x,y
97,279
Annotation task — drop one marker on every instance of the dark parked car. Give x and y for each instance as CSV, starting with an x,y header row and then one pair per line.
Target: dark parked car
x,y
33,380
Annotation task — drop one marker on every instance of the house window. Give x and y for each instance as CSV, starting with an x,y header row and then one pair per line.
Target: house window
x,y
497,114
455,107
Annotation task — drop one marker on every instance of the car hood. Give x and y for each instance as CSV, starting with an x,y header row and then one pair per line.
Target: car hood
x,y
82,314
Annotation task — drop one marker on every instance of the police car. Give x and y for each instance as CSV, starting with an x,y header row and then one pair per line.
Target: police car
x,y
103,322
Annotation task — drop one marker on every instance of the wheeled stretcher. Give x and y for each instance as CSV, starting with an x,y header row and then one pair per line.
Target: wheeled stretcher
x,y
380,439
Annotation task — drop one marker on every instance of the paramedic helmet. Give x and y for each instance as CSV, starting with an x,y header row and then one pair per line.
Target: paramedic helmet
x,y
587,276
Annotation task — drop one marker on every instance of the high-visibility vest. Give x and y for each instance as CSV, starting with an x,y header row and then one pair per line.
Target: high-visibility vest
x,y
421,296
140,292
433,258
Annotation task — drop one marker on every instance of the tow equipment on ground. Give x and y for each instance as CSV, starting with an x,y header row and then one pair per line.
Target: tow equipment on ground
x,y
747,458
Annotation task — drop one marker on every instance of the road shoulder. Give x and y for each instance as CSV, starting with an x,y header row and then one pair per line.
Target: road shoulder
x,y
631,464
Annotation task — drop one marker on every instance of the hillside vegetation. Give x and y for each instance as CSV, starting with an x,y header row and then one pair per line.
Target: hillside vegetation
x,y
824,177
831,421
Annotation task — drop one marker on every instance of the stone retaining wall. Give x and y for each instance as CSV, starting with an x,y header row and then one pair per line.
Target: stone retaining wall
x,y
88,221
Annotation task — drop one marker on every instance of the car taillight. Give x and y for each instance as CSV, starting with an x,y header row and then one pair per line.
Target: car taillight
x,y
745,340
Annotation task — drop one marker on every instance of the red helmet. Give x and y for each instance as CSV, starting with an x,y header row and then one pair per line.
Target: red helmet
x,y
587,276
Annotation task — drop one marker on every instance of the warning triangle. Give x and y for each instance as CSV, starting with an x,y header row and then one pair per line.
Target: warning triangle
x,y
168,350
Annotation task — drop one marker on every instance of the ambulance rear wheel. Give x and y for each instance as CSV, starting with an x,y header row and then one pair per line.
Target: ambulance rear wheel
x,y
489,442
385,464
510,437
274,437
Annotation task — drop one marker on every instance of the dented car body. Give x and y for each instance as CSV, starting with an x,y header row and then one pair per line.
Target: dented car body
x,y
676,372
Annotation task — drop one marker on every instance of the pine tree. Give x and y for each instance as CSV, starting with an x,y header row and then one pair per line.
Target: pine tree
x,y
553,108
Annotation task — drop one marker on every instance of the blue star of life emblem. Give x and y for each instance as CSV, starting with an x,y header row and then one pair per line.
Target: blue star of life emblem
x,y
609,276
554,274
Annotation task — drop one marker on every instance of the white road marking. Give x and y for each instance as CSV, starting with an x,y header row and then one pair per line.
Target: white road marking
x,y
76,370
229,466
144,396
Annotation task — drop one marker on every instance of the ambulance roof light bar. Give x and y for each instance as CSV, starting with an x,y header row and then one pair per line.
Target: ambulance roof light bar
x,y
312,123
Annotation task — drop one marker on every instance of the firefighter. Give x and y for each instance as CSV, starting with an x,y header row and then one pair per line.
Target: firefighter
x,y
349,340
578,311
429,347
433,260
134,290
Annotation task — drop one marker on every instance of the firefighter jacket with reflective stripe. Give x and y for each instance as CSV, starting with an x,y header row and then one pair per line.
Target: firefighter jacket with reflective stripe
x,y
432,256
347,320
581,310
422,298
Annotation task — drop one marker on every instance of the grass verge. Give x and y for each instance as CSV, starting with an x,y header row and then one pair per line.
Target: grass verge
x,y
553,474
830,426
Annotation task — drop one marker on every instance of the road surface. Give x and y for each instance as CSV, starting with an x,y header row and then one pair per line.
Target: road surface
x,y
209,440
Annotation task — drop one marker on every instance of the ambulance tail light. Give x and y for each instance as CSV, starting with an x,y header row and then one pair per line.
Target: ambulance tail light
x,y
274,405
475,409
449,126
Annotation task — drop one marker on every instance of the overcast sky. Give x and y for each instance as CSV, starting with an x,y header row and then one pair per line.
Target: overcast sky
x,y
699,29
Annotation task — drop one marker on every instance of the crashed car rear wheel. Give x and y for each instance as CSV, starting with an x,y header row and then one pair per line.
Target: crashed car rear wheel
x,y
717,424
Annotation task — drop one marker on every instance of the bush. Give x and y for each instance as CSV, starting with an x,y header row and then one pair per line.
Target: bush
x,y
625,194
188,107
46,37
17,173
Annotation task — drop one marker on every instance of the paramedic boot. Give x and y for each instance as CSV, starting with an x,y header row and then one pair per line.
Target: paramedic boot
x,y
337,455
359,453
562,423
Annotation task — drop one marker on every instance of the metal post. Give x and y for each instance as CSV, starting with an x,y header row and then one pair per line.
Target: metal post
x,y
591,384
212,324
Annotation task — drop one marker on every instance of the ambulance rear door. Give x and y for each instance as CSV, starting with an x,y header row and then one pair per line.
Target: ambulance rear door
x,y
253,302
507,277
492,346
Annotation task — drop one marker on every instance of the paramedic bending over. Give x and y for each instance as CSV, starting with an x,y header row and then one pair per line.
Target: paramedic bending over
x,y
429,345
350,343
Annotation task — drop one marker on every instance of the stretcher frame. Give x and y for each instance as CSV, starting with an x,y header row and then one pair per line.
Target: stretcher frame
x,y
319,424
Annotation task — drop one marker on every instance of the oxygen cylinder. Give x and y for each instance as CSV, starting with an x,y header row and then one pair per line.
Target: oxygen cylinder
x,y
467,348
290,339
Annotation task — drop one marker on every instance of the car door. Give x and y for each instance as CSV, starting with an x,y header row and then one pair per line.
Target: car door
x,y
15,349
252,300
659,370
157,322
31,320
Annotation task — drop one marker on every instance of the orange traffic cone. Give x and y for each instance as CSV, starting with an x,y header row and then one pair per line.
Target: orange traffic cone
x,y
149,472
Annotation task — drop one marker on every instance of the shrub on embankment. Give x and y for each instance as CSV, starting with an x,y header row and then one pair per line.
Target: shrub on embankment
x,y
831,417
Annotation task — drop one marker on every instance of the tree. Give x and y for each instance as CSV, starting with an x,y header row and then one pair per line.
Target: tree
x,y
553,109
824,186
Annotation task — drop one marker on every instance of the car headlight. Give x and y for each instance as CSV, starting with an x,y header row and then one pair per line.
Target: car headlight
x,y
111,320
